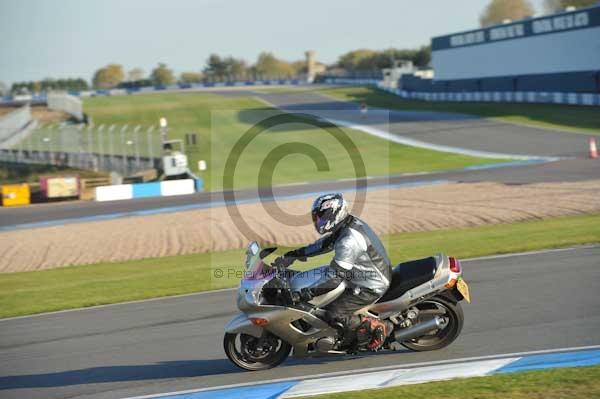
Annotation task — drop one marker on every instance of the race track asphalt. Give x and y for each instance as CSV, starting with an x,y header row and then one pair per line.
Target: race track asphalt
x,y
520,303
448,129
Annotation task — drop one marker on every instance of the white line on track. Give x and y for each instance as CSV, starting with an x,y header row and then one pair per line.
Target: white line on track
x,y
510,255
373,369
435,147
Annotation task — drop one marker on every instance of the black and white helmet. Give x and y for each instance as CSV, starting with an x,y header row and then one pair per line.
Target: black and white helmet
x,y
328,211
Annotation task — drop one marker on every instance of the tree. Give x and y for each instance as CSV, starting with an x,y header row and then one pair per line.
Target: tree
x,y
553,6
215,67
269,66
161,75
227,68
108,77
422,57
20,88
3,89
50,84
135,74
299,67
499,10
236,67
357,59
81,84
191,77
365,60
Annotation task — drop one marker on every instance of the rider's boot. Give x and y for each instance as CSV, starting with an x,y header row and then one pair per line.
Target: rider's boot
x,y
375,332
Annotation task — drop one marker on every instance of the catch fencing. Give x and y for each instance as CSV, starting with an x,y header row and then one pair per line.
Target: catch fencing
x,y
120,148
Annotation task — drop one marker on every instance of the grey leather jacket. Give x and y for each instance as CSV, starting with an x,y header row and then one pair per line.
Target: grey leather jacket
x,y
360,257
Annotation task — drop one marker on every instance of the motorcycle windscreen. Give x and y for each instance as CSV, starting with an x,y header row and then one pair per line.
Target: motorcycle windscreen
x,y
256,268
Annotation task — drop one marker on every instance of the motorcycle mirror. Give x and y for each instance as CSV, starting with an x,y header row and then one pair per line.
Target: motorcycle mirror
x,y
253,248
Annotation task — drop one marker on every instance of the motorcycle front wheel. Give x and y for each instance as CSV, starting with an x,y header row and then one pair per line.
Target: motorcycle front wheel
x,y
253,354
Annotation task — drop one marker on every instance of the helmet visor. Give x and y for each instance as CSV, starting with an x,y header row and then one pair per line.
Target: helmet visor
x,y
321,218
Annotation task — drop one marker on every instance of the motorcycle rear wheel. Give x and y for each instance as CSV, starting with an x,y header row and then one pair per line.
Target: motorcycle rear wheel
x,y
438,339
243,351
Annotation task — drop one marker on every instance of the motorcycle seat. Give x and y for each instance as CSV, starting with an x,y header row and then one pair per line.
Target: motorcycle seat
x,y
409,275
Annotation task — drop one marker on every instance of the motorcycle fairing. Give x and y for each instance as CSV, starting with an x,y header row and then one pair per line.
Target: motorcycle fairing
x,y
280,321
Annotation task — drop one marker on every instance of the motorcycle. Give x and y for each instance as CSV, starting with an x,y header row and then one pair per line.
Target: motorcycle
x,y
422,302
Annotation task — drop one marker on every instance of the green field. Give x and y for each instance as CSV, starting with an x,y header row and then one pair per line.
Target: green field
x,y
82,286
562,383
220,121
554,116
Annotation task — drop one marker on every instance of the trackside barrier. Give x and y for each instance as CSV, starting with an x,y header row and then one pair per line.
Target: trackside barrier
x,y
87,190
145,190
114,193
582,99
352,81
15,194
177,187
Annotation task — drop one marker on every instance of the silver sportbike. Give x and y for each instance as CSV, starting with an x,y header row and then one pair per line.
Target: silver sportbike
x,y
423,303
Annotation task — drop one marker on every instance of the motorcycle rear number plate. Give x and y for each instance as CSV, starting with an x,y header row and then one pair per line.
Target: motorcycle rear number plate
x,y
463,288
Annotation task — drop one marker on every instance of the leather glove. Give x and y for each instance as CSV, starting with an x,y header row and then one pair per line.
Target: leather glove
x,y
303,295
306,294
283,261
295,254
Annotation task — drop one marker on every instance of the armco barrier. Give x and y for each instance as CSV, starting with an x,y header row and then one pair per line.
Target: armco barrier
x,y
145,190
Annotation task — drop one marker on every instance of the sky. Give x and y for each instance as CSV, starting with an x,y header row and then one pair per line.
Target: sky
x,y
73,38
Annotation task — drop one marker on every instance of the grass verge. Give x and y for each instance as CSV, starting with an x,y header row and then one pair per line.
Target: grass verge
x,y
571,118
572,383
81,286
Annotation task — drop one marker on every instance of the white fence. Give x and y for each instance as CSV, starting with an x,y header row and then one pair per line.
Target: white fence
x,y
66,103
352,81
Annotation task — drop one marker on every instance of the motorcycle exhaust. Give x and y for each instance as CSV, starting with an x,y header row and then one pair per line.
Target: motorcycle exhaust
x,y
420,329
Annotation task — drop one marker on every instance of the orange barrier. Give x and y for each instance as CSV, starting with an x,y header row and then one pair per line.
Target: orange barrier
x,y
15,194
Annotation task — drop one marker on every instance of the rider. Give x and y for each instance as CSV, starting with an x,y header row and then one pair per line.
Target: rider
x,y
360,259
